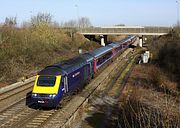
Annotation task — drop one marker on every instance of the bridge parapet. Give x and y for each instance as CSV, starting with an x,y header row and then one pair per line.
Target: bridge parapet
x,y
121,30
142,30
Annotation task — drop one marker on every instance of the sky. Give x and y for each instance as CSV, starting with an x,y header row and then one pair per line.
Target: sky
x,y
100,12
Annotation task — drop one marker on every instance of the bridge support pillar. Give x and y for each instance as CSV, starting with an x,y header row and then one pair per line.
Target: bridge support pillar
x,y
103,40
140,41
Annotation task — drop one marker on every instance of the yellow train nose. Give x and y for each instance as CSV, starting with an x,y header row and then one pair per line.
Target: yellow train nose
x,y
42,84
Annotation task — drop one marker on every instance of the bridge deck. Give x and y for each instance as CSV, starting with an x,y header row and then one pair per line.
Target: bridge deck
x,y
124,30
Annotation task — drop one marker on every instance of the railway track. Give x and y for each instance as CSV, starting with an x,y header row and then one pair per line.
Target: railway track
x,y
28,115
14,96
17,114
104,102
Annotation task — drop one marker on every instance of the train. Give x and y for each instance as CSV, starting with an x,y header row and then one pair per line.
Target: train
x,y
55,81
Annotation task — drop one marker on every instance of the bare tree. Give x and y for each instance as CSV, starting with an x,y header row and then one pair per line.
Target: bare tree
x,y
84,22
45,18
70,23
10,21
25,24
55,24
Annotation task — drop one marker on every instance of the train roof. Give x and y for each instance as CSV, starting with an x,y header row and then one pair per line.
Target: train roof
x,y
64,67
124,41
51,70
88,57
72,64
100,51
114,44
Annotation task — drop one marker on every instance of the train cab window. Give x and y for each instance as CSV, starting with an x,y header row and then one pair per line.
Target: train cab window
x,y
46,81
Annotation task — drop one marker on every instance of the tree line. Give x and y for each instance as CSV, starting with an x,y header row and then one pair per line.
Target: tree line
x,y
46,18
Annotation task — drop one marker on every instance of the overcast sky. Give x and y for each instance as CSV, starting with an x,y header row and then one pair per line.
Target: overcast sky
x,y
100,12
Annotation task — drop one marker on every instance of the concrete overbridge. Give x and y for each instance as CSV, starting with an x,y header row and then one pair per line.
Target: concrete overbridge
x,y
124,30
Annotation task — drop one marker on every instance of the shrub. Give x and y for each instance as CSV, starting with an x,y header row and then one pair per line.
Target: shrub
x,y
167,54
25,50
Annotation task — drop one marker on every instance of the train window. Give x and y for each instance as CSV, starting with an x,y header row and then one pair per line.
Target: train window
x,y
46,81
104,58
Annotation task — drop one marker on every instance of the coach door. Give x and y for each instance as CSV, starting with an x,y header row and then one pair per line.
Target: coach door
x,y
86,72
90,70
66,84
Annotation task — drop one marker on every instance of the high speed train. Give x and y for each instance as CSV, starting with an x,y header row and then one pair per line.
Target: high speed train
x,y
57,80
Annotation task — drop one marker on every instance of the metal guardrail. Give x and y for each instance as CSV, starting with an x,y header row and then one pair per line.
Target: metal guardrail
x,y
136,30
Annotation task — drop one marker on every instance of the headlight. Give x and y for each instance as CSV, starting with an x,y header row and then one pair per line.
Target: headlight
x,y
52,95
34,94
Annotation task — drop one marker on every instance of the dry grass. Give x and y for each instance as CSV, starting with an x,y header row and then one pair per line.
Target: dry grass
x,y
136,113
144,104
151,76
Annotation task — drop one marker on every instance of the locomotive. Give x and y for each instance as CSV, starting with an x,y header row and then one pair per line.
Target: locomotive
x,y
57,80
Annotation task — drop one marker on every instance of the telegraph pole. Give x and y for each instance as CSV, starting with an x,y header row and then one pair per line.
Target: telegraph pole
x,y
177,12
77,11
